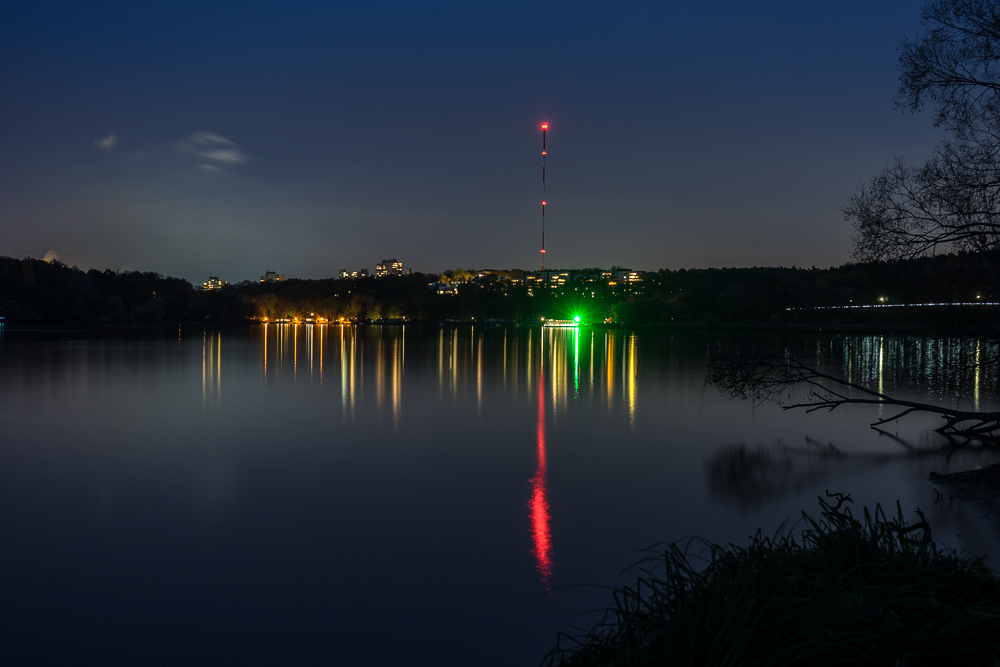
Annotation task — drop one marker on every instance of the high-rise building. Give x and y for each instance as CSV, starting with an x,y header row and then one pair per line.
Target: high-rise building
x,y
213,283
272,277
389,267
360,273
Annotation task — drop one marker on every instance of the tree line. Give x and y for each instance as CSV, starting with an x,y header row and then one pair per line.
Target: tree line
x,y
50,292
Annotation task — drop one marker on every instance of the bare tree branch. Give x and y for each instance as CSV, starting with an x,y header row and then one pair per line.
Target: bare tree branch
x,y
952,201
752,376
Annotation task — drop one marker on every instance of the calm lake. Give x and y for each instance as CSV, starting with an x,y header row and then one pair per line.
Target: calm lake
x,y
297,494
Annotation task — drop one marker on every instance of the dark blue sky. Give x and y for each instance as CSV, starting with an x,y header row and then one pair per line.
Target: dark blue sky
x,y
228,138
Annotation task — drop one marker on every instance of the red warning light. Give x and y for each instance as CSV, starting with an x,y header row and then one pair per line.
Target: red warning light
x,y
543,202
545,126
543,249
544,153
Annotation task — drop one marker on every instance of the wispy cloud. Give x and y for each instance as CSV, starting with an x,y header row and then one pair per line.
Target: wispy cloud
x,y
215,147
209,167
107,143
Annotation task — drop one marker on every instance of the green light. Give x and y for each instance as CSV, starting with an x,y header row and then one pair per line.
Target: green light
x,y
576,319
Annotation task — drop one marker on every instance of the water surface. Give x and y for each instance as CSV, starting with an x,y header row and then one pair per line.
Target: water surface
x,y
408,495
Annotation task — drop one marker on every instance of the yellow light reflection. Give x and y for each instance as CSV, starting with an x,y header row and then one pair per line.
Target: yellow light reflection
x,y
379,371
551,346
441,363
505,361
559,363
609,362
397,381
479,376
453,365
343,376
353,373
309,347
631,384
211,367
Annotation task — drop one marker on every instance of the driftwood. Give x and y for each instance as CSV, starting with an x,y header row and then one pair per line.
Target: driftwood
x,y
753,376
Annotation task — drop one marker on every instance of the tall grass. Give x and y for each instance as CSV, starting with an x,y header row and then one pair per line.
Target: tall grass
x,y
842,591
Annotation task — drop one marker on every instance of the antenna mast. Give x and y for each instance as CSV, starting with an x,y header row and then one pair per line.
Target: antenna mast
x,y
545,127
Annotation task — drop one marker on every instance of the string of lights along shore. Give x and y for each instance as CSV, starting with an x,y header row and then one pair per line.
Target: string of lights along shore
x,y
545,127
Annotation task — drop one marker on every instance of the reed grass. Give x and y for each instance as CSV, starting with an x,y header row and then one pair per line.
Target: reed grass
x,y
841,591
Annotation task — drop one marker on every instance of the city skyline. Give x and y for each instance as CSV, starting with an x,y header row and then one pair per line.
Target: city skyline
x,y
224,139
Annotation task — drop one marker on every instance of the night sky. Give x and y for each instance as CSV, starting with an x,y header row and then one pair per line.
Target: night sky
x,y
228,138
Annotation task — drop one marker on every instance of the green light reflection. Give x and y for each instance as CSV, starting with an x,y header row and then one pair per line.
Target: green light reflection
x,y
576,362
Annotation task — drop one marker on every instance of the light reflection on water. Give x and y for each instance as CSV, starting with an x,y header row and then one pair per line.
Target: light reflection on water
x,y
549,361
548,353
539,503
296,486
460,356
960,367
211,368
942,367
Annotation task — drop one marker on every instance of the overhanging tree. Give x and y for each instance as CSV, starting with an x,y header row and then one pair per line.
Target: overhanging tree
x,y
753,375
952,201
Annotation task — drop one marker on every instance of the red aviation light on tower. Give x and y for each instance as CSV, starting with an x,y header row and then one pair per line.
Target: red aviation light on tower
x,y
545,127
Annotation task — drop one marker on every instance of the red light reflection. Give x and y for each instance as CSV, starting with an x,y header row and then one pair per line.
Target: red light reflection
x,y
539,503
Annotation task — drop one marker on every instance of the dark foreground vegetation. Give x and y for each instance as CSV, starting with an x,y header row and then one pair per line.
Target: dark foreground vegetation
x,y
843,591
35,291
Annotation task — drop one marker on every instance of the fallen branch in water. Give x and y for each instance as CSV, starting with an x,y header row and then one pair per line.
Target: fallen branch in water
x,y
750,375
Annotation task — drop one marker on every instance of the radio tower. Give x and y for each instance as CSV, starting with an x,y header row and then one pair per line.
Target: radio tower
x,y
545,126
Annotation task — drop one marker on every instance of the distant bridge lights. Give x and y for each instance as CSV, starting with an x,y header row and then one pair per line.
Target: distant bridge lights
x,y
882,304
